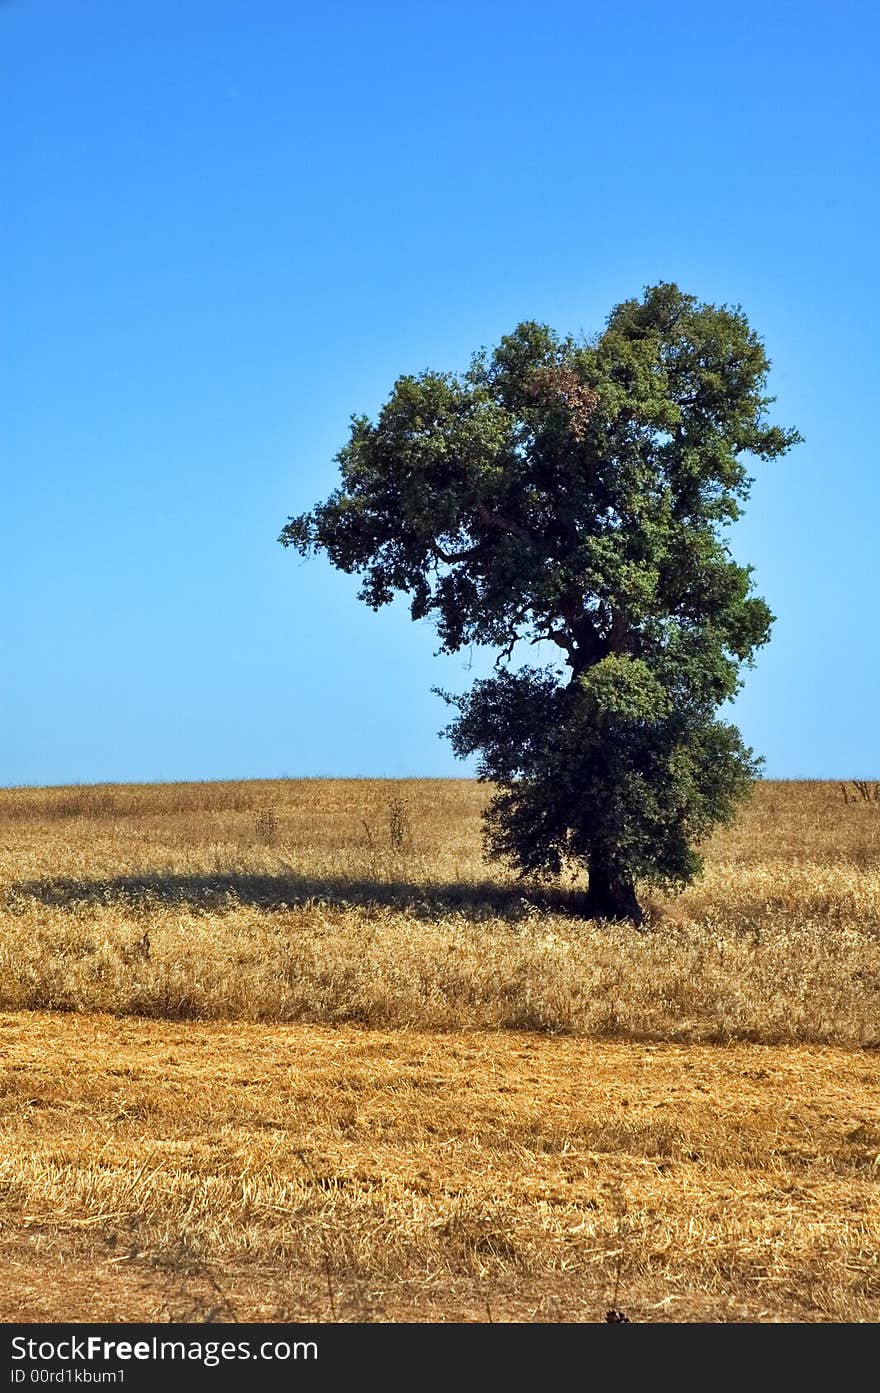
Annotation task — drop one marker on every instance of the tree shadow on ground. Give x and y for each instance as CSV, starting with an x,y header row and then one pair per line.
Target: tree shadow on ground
x,y
221,892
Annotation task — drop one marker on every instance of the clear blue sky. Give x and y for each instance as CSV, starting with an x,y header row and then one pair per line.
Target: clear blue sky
x,y
229,225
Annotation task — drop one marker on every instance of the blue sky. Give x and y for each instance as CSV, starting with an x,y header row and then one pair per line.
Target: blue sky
x,y
228,226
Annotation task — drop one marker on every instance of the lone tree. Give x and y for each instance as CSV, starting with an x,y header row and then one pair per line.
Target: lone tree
x,y
578,492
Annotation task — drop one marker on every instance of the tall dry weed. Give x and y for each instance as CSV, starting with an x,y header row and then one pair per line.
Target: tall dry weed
x,y
780,940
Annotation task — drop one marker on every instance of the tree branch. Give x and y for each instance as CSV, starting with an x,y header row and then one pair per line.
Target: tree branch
x,y
513,635
559,637
450,557
619,630
503,524
587,639
489,519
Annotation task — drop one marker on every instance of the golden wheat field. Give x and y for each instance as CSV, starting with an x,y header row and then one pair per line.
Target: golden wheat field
x,y
279,1050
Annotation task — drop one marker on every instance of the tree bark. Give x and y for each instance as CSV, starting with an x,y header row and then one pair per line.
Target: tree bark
x,y
611,895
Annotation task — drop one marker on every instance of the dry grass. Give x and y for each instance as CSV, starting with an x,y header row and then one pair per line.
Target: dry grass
x,y
154,1170
322,1120
367,901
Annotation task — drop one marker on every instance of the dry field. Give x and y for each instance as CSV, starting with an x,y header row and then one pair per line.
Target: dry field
x,y
291,1050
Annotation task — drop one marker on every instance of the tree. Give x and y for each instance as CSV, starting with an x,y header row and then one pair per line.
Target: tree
x,y
579,492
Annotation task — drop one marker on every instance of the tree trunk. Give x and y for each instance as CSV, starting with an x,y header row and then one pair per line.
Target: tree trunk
x,y
611,895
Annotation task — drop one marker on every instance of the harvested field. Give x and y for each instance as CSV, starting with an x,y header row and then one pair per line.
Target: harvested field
x,y
159,1171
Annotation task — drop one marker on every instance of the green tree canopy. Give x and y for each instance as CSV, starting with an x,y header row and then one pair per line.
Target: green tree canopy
x,y
579,493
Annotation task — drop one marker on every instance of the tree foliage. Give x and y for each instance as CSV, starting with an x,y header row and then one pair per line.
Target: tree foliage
x,y
579,492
